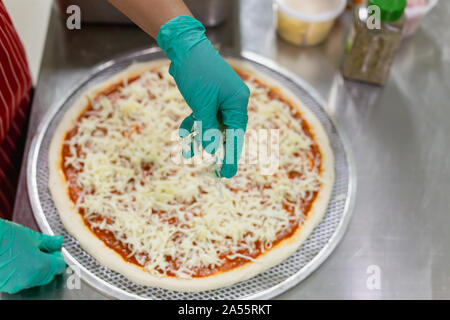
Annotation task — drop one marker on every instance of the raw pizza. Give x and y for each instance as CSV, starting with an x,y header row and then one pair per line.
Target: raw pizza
x,y
169,223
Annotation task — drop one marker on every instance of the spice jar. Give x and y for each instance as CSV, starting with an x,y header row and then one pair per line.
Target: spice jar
x,y
374,40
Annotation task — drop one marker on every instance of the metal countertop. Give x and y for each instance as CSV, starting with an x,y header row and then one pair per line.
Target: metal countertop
x,y
400,136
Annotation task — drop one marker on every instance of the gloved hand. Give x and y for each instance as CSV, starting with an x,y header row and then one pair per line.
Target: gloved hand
x,y
27,258
210,87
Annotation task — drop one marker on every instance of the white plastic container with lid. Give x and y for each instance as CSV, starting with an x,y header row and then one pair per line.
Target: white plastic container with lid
x,y
306,22
414,15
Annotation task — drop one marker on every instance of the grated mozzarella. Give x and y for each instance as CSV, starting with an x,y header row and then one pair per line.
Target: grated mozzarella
x,y
165,211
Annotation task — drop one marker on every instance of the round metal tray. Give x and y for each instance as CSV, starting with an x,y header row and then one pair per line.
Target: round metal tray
x,y
266,285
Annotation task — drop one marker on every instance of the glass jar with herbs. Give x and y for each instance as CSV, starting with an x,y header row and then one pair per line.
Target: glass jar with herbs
x,y
374,40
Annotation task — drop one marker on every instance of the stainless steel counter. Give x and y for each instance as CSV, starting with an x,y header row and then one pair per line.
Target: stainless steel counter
x,y
400,135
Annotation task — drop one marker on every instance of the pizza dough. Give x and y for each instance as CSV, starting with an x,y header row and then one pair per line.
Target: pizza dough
x,y
121,192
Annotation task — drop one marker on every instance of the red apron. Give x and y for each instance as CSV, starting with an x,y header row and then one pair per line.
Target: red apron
x,y
15,84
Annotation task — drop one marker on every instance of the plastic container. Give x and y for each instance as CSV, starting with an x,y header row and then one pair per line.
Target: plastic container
x,y
305,23
414,17
370,52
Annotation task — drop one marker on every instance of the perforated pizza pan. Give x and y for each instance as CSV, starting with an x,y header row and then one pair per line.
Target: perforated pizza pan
x,y
266,285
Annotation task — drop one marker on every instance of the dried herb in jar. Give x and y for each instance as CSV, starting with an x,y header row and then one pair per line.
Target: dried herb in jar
x,y
374,40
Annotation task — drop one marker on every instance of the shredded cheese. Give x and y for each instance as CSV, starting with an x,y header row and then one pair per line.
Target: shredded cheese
x,y
163,210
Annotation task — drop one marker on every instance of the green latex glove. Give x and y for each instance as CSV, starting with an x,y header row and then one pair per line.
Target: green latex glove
x,y
210,87
27,258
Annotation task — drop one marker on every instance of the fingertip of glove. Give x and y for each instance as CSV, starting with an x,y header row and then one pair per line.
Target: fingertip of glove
x,y
228,171
51,243
59,262
58,240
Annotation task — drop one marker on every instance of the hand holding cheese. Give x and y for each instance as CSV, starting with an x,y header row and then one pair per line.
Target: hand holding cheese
x,y
209,85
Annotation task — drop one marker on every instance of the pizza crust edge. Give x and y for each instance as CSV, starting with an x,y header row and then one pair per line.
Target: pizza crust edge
x,y
106,256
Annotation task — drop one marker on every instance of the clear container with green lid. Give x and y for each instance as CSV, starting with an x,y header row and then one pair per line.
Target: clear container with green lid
x,y
374,40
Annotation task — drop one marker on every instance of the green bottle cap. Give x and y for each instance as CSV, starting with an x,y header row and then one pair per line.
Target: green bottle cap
x,y
391,10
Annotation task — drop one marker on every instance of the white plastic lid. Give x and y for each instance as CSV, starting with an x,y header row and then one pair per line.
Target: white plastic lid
x,y
420,10
310,11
